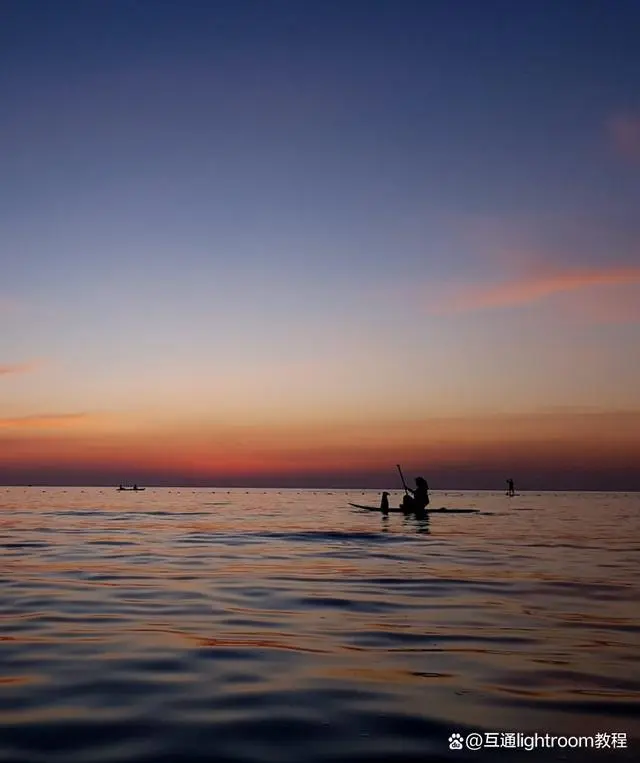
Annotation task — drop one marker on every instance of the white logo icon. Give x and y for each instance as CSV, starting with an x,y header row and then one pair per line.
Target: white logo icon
x,y
455,741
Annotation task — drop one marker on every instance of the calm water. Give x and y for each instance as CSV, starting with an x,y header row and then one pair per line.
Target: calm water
x,y
220,626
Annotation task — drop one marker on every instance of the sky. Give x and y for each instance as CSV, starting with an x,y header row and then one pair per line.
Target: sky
x,y
280,243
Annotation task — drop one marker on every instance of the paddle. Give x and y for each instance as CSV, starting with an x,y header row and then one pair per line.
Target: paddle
x,y
404,484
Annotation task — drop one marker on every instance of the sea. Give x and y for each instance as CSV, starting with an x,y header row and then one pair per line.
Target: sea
x,y
253,626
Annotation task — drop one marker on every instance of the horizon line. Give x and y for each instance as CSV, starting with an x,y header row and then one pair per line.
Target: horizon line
x,y
339,488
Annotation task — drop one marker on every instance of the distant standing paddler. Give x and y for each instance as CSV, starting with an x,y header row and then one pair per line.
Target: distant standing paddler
x,y
510,488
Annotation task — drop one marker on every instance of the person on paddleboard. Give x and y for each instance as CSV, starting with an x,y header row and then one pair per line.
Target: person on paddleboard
x,y
510,488
419,500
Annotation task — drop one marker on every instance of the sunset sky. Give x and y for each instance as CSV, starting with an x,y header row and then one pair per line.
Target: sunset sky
x,y
295,243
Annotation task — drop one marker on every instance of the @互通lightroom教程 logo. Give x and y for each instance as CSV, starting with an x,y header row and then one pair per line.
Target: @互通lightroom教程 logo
x,y
602,740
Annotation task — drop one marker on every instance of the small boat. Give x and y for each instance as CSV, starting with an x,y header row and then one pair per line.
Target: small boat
x,y
398,510
135,488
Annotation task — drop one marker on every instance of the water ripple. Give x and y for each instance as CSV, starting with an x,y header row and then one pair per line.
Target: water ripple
x,y
280,625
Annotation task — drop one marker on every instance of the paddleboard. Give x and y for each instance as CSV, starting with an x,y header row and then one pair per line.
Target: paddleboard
x,y
397,510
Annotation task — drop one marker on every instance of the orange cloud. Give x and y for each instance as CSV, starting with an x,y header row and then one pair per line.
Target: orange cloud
x,y
42,420
624,133
534,288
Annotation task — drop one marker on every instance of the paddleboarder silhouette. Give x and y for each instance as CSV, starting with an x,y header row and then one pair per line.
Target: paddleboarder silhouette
x,y
416,499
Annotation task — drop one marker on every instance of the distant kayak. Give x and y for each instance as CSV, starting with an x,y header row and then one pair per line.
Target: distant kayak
x,y
132,489
398,510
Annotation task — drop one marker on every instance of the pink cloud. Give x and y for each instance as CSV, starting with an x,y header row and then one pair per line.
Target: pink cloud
x,y
615,304
17,368
8,304
536,287
624,133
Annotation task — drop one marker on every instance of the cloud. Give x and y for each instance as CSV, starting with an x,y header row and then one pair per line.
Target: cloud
x,y
18,368
9,304
615,304
535,287
624,133
43,420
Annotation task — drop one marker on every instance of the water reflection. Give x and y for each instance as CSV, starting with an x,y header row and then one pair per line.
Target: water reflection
x,y
139,623
418,525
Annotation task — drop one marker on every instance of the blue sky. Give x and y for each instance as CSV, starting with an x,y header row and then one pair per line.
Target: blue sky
x,y
282,206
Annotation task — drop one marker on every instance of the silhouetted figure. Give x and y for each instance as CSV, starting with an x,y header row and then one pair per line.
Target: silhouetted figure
x,y
384,503
135,487
419,501
510,488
